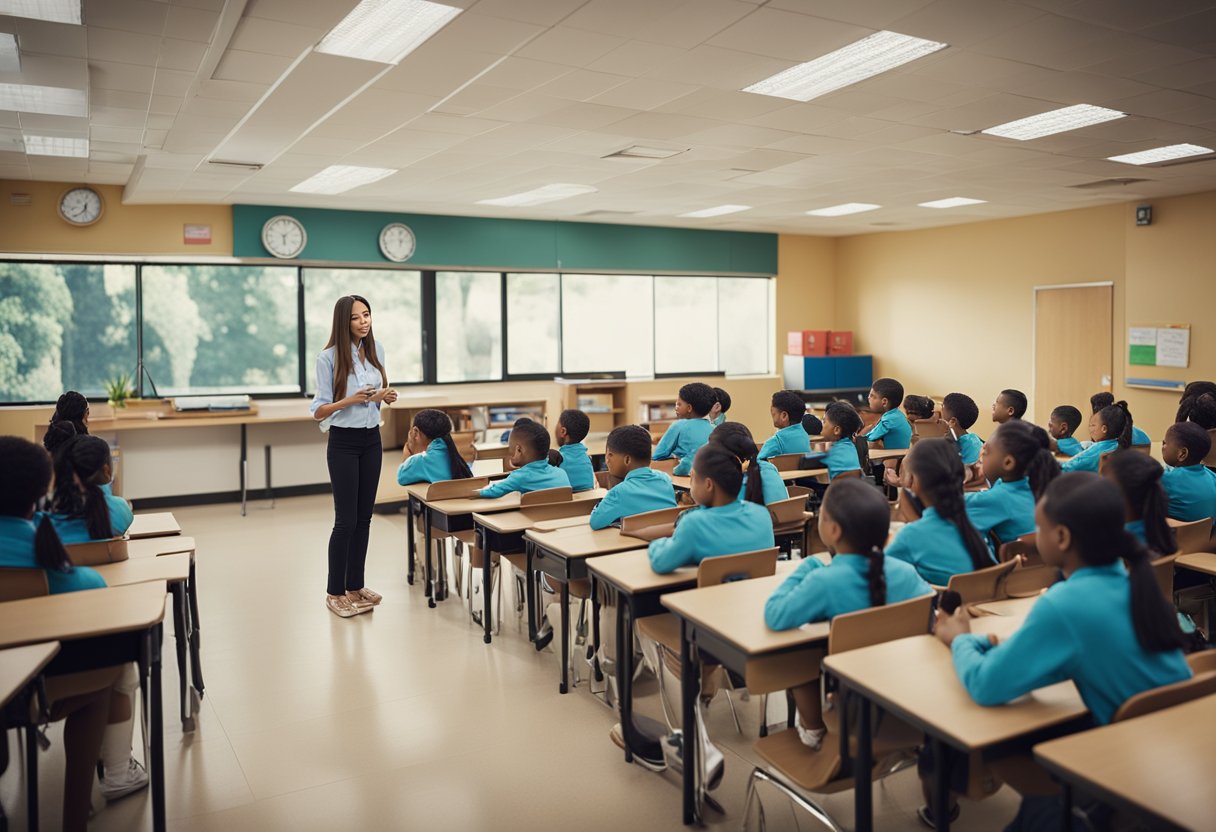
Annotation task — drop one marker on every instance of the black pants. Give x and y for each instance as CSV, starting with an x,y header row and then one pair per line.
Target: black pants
x,y
354,456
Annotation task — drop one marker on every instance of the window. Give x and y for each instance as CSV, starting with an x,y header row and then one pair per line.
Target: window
x,y
64,327
219,329
396,301
468,326
533,324
608,323
745,339
686,324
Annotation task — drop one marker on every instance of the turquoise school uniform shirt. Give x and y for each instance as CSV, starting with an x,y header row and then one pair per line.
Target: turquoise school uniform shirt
x,y
17,552
791,440
893,429
535,476
772,485
682,439
717,420
1136,529
815,592
934,547
1007,508
1139,437
841,457
1069,446
707,532
1089,458
76,530
642,490
969,447
1079,629
432,465
1192,492
577,466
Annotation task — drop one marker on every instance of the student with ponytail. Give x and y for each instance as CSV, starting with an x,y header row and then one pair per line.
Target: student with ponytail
x,y
1146,505
72,410
854,522
433,454
764,489
942,543
1110,428
83,508
1019,465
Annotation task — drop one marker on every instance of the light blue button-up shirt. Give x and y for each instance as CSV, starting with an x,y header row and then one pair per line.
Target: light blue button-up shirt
x,y
706,532
363,374
790,440
577,466
17,551
682,439
535,476
642,490
969,447
893,429
815,592
1089,458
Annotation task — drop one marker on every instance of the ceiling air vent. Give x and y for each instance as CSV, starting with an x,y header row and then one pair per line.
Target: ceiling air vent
x,y
1107,183
639,151
250,166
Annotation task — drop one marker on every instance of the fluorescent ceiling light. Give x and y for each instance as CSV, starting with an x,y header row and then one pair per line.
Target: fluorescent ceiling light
x,y
10,58
858,61
1056,121
1161,154
718,211
53,101
336,179
541,195
386,31
841,210
952,202
642,152
56,11
56,146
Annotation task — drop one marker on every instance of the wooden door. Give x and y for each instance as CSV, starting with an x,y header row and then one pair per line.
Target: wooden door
x,y
1072,347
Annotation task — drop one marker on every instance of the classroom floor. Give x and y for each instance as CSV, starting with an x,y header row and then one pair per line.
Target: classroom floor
x,y
402,718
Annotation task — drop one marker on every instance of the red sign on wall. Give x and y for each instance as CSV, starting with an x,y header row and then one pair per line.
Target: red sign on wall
x,y
196,235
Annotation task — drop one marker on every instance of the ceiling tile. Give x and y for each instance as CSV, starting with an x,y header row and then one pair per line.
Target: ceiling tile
x,y
142,16
541,12
182,55
122,47
636,58
436,72
573,47
721,68
624,18
273,37
117,117
876,14
581,85
694,22
119,76
480,33
103,133
119,98
314,15
643,94
250,67
584,116
41,37
796,37
474,98
187,23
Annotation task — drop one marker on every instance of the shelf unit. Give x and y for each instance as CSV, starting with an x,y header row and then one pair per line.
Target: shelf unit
x,y
602,401
657,413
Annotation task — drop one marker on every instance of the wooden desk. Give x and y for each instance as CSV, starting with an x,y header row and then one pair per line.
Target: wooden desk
x,y
914,678
389,492
1157,766
1204,562
153,547
154,524
883,454
727,622
101,628
1017,608
168,568
20,668
685,483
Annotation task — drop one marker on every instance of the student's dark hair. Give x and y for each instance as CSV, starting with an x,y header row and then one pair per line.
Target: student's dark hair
x,y
26,480
1100,400
919,407
630,439
1091,508
435,424
1196,440
812,424
699,396
1203,411
889,389
533,434
937,466
717,463
1139,477
576,423
78,494
1031,450
1017,400
722,398
1069,415
59,434
1190,396
791,404
1118,421
72,407
963,408
736,438
864,517
848,419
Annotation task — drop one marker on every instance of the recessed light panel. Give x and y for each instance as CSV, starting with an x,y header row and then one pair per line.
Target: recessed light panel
x,y
539,196
336,179
10,58
56,146
952,202
386,31
56,11
718,211
1161,154
1055,121
52,101
842,210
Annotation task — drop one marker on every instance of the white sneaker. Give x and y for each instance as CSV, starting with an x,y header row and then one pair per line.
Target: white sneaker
x,y
812,738
115,785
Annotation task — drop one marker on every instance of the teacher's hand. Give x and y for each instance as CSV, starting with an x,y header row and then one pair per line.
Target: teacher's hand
x,y
361,396
390,396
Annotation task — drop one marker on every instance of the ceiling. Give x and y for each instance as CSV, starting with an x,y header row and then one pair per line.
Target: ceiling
x,y
515,94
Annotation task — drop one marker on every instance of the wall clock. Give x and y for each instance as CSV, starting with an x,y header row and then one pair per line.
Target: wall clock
x,y
284,236
397,242
81,206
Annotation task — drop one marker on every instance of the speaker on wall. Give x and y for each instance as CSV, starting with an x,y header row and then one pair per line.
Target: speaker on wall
x,y
1144,215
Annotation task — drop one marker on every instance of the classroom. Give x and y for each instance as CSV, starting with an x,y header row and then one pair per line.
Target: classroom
x,y
625,414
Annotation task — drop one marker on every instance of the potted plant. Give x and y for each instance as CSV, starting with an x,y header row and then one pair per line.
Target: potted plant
x,y
118,391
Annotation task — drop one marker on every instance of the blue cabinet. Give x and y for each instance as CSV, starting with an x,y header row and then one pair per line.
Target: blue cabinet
x,y
831,372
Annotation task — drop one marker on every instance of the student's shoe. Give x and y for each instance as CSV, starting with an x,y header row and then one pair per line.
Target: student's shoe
x,y
926,816
124,782
652,764
341,606
812,738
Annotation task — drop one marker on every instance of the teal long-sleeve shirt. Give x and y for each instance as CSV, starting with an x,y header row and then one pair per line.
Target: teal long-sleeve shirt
x,y
893,429
1080,629
1007,508
17,552
682,439
706,532
76,530
535,476
642,490
773,486
791,440
432,465
969,447
815,592
934,547
1069,446
1192,492
1089,458
577,465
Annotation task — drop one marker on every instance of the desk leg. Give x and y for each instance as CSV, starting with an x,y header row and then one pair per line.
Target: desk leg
x,y
157,739
244,466
863,768
487,577
430,570
31,774
179,637
624,674
689,683
595,630
1065,807
564,684
941,784
410,555
196,638
269,486
530,590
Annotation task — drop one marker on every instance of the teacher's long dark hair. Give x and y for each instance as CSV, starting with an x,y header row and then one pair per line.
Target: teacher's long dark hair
x,y
340,339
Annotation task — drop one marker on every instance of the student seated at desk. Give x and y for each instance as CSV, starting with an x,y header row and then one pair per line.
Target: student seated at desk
x,y
942,543
83,508
690,430
1191,487
854,522
73,409
1019,465
847,450
762,490
433,454
1061,426
529,443
1138,477
960,413
1102,400
1106,627
892,428
1109,429
641,488
919,408
717,413
1010,405
792,436
1200,409
571,456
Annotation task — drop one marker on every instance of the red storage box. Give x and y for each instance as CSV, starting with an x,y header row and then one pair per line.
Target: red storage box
x,y
808,342
840,343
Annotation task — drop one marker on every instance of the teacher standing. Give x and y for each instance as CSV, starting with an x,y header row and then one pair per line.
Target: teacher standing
x,y
351,384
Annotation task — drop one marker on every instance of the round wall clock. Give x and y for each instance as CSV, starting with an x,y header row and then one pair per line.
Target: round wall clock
x,y
284,236
81,206
397,242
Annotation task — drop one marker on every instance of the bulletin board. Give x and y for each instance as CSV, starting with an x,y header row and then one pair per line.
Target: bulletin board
x,y
1159,346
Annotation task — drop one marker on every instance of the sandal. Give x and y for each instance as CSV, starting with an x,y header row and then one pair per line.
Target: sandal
x,y
340,606
365,596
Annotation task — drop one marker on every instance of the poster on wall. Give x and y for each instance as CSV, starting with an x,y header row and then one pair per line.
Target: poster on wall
x,y
1165,346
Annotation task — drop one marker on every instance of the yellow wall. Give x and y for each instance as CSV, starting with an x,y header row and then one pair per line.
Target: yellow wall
x,y
806,286
122,229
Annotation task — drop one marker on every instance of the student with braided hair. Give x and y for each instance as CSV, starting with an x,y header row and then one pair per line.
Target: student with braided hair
x,y
1018,463
1145,502
83,509
768,487
72,410
1099,401
1110,429
433,454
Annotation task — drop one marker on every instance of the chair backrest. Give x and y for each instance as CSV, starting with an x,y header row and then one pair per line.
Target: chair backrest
x,y
1147,450
604,479
1167,696
664,465
453,489
1195,536
563,494
16,584
844,475
799,491
556,511
1163,571
1027,581
986,584
658,517
785,462
741,567
1202,661
878,624
97,552
929,428
464,444
785,512
1025,547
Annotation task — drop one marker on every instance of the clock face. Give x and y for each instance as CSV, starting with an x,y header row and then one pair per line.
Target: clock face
x,y
81,206
397,242
284,236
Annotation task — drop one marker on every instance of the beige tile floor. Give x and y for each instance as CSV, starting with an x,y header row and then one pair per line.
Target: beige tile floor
x,y
403,718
